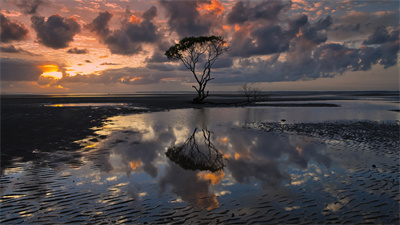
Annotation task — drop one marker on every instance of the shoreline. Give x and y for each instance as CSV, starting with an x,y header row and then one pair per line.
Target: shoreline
x,y
46,136
49,129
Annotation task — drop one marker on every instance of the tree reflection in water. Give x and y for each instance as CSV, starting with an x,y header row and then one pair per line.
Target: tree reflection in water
x,y
197,156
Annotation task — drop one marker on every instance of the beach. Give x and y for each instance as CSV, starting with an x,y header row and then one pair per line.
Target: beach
x,y
295,158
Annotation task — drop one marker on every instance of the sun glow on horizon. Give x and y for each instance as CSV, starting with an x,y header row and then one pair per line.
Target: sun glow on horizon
x,y
51,70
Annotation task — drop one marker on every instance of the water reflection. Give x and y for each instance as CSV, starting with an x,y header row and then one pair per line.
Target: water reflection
x,y
190,163
278,177
191,186
197,155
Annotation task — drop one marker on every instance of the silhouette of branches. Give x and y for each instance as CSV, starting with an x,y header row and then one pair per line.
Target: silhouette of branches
x,y
190,51
191,155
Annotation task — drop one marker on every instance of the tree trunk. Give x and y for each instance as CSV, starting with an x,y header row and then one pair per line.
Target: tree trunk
x,y
201,95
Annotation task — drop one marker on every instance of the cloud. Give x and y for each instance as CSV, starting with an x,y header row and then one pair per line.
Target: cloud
x,y
150,14
316,32
223,62
185,19
88,61
309,62
126,75
382,35
161,67
12,31
100,24
29,7
354,25
133,33
13,49
157,57
108,64
151,74
266,46
277,38
247,11
57,32
19,70
390,51
77,51
188,186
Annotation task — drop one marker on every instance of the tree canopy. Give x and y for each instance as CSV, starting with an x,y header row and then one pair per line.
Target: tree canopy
x,y
191,51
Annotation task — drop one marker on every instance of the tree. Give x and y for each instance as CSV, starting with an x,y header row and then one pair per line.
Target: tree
x,y
194,50
252,94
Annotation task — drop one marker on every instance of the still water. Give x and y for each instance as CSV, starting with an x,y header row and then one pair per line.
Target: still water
x,y
221,171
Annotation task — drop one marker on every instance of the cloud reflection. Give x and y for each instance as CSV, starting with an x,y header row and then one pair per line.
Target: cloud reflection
x,y
189,186
138,143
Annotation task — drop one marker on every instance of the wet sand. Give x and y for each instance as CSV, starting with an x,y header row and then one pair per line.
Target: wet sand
x,y
44,137
49,129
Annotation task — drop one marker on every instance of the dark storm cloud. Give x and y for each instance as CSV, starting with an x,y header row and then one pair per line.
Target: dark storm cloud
x,y
315,32
185,20
274,38
12,31
150,14
308,62
382,35
336,58
296,24
19,70
57,32
157,57
129,38
390,51
77,51
269,40
100,24
354,24
158,54
388,45
223,62
266,10
29,7
13,49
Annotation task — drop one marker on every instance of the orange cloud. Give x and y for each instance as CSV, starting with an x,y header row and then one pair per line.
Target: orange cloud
x,y
135,20
215,7
135,78
50,70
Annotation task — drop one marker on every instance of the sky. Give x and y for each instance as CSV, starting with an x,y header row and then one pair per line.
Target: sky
x,y
118,46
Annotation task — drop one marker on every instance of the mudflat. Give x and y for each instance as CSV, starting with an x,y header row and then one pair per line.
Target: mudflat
x,y
293,159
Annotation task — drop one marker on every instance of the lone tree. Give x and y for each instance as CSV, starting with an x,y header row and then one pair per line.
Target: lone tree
x,y
192,50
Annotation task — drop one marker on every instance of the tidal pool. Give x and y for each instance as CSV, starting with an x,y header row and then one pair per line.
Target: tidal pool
x,y
222,171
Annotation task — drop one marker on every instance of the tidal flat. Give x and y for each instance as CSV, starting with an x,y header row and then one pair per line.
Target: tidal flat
x,y
296,158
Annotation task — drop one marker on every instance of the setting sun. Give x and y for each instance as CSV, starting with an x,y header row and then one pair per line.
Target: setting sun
x,y
51,71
